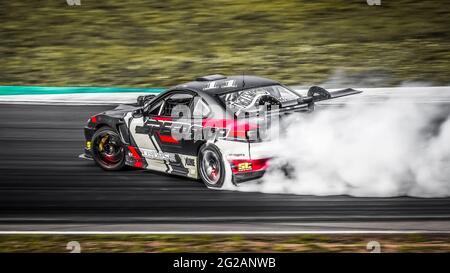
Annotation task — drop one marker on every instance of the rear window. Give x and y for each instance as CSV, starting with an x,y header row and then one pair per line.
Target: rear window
x,y
201,109
245,99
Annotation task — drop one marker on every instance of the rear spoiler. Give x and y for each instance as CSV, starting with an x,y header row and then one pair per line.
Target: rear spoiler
x,y
316,93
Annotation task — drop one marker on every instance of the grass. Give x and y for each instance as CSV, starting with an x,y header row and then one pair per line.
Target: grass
x,y
225,243
161,43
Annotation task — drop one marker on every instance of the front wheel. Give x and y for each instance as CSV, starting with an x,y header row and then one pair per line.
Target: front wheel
x,y
211,166
107,149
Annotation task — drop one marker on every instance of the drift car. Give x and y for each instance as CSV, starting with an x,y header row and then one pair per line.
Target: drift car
x,y
196,129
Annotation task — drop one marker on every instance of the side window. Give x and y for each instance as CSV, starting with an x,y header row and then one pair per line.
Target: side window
x,y
285,94
155,109
174,100
201,109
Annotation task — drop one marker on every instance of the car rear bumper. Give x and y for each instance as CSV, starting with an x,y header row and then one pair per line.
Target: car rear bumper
x,y
243,177
248,160
248,169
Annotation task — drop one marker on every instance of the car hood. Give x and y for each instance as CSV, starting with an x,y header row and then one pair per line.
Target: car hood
x,y
121,110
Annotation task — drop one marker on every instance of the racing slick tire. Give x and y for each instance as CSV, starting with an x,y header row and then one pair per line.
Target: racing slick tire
x,y
108,151
211,166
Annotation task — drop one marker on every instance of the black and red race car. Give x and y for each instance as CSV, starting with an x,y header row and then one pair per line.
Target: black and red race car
x,y
213,128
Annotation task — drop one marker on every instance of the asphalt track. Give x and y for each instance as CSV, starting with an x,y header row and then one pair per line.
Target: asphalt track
x,y
44,186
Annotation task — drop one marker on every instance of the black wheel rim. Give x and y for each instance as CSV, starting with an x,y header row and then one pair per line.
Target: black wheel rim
x,y
108,149
210,167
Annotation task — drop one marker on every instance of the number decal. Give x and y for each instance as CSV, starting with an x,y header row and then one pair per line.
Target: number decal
x,y
229,84
226,84
211,85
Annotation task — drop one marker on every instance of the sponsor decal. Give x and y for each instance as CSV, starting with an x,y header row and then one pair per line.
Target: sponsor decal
x,y
216,85
249,165
245,166
173,132
152,154
190,162
236,155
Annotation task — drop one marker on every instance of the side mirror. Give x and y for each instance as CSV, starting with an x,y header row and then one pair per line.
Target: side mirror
x,y
138,113
142,100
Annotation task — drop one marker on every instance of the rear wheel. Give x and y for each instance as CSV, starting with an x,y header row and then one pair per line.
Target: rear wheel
x,y
211,166
107,149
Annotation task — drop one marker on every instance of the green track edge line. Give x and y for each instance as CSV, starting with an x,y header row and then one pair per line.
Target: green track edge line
x,y
44,90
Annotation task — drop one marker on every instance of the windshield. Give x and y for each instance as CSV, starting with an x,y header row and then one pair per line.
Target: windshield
x,y
246,99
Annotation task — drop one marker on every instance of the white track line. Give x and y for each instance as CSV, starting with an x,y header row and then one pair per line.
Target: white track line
x,y
237,218
223,232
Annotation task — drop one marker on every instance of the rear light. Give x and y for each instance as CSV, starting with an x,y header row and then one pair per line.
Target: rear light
x,y
93,119
136,158
138,164
249,165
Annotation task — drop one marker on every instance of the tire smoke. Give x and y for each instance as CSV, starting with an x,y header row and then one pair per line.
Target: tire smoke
x,y
379,150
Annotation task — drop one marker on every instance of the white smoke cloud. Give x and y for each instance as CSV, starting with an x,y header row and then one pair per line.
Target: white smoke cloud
x,y
382,150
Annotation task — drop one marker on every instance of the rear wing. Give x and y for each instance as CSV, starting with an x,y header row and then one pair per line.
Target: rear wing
x,y
317,93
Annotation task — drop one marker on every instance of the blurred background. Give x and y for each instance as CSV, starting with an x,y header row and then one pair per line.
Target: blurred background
x,y
137,43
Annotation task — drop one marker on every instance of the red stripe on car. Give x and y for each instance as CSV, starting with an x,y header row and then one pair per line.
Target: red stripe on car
x,y
165,138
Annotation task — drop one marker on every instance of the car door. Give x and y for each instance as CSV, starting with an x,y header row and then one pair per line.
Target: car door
x,y
142,131
152,134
